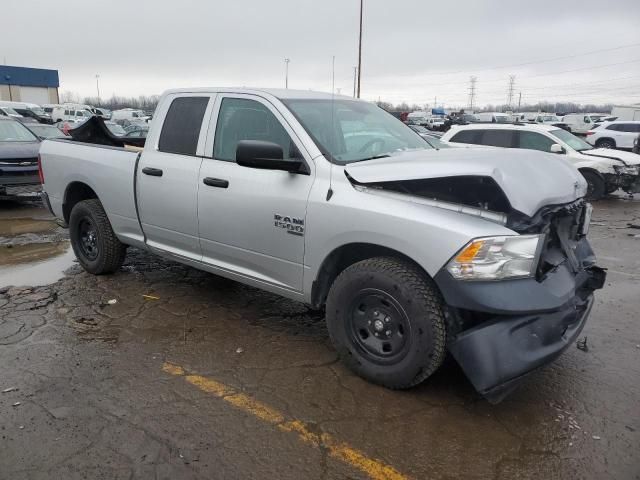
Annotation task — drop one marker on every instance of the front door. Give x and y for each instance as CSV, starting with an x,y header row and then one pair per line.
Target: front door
x,y
167,177
252,222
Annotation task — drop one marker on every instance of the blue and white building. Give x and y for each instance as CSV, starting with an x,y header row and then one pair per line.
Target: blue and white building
x,y
30,85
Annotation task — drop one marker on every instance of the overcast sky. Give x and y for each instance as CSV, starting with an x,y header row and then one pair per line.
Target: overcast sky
x,y
413,50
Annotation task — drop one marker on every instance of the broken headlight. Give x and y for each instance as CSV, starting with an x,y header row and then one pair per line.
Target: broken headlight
x,y
497,258
624,170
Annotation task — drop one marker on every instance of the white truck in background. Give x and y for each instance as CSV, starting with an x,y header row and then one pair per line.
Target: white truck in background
x,y
627,113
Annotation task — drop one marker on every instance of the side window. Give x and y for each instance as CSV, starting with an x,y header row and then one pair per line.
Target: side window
x,y
615,127
629,127
534,141
586,120
467,136
181,127
635,127
66,112
497,138
243,119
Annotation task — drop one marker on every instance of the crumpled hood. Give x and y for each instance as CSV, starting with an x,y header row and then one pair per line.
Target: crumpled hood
x,y
18,150
627,158
530,179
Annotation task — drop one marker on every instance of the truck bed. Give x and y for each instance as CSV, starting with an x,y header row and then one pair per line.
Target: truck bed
x,y
108,171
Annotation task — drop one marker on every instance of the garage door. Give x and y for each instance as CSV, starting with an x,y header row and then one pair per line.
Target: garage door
x,y
39,95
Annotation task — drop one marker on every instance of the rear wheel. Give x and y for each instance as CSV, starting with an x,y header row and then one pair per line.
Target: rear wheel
x,y
385,318
606,143
96,246
596,187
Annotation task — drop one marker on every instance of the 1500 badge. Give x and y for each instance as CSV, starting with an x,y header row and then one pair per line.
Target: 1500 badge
x,y
294,226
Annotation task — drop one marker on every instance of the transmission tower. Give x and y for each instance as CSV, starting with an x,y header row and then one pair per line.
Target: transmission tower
x,y
472,92
512,81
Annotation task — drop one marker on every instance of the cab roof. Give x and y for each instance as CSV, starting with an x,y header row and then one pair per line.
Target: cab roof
x,y
280,93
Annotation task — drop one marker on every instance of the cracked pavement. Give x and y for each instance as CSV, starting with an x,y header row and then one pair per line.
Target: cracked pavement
x,y
94,401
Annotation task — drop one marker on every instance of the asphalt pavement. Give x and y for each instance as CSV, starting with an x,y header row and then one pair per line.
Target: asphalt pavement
x,y
161,371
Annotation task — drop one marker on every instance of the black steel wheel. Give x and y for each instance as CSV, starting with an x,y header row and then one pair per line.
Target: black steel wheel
x,y
95,244
385,318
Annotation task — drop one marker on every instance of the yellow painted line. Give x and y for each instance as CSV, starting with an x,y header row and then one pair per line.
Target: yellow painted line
x,y
151,297
375,469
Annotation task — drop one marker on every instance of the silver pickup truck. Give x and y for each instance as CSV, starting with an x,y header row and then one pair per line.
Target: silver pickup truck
x,y
333,202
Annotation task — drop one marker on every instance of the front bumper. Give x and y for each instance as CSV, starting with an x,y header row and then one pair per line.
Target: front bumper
x,y
524,324
628,183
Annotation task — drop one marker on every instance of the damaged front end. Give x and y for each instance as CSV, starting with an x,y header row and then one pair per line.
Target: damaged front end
x,y
501,329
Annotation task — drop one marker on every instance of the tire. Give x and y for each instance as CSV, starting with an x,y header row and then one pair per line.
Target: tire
x,y
606,143
96,246
611,188
385,318
596,185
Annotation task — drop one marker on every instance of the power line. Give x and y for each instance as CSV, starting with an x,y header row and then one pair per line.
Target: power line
x,y
512,81
539,61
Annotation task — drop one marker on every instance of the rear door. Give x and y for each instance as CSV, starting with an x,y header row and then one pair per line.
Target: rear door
x,y
627,134
252,222
167,176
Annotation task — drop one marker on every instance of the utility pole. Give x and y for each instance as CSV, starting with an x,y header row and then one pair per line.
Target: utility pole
x,y
286,72
512,81
472,92
98,87
360,48
355,80
519,100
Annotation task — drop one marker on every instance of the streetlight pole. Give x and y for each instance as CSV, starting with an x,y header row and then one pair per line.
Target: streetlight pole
x,y
286,72
360,48
355,78
98,87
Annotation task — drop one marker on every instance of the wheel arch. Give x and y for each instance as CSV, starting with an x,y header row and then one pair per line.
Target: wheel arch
x,y
343,257
75,192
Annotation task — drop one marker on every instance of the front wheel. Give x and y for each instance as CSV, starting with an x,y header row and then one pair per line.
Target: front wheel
x,y
385,318
96,246
596,186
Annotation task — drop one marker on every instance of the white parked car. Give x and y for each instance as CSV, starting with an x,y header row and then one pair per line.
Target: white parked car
x,y
417,118
435,123
493,117
71,114
130,114
582,122
618,134
605,170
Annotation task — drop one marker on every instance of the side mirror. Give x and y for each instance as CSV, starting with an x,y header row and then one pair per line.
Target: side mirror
x,y
266,156
555,148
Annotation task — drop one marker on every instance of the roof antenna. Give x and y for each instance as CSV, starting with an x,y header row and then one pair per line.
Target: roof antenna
x,y
333,130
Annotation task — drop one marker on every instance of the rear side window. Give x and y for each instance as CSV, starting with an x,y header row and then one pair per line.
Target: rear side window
x,y
629,127
497,138
182,124
614,127
467,136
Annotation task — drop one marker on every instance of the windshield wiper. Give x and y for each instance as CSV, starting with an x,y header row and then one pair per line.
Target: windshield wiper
x,y
375,157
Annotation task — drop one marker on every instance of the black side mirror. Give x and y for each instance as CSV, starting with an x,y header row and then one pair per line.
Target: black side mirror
x,y
265,155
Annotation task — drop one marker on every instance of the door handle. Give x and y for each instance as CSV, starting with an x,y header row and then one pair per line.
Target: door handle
x,y
154,172
216,182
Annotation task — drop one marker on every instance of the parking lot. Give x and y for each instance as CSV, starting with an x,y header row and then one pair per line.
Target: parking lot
x,y
162,371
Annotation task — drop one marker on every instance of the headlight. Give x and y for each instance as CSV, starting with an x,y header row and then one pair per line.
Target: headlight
x,y
496,258
623,170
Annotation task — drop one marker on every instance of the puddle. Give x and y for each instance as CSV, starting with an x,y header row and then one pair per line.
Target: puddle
x,y
18,226
34,264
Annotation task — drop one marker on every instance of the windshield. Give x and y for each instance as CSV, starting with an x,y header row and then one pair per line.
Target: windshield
x,y
596,118
11,131
116,129
550,118
46,131
436,143
419,129
570,139
353,131
501,119
38,110
10,111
